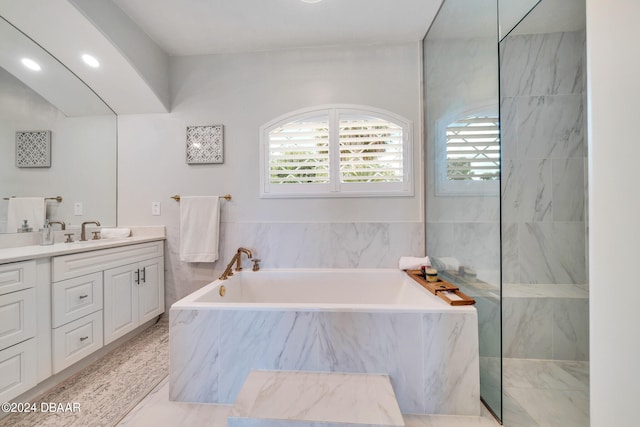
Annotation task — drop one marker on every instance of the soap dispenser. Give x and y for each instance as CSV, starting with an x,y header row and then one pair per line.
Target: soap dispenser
x,y
25,227
47,234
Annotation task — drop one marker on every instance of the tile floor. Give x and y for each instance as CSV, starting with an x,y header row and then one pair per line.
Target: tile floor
x,y
546,393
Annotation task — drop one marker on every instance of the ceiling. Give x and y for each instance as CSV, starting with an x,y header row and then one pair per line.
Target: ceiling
x,y
199,27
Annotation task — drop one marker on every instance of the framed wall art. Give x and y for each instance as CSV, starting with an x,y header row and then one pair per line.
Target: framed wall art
x,y
33,149
205,144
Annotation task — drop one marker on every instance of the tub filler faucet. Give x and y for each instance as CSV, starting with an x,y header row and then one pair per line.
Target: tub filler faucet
x,y
237,259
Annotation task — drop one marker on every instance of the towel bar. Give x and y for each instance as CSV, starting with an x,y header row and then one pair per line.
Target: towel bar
x,y
227,197
57,198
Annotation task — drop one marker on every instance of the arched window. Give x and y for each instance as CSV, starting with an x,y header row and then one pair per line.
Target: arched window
x,y
336,151
468,153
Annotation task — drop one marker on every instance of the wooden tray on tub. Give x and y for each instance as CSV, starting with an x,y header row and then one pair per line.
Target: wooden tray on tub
x,y
443,289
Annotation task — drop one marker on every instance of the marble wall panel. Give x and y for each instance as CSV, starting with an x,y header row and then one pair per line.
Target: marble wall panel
x,y
551,126
527,328
569,190
377,343
194,355
286,340
553,252
542,64
570,329
431,358
527,190
453,339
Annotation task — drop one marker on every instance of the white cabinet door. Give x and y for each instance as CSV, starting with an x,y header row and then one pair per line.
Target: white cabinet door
x,y
17,317
120,301
151,289
17,369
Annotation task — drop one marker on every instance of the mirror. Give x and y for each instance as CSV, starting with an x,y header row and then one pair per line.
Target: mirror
x,y
82,168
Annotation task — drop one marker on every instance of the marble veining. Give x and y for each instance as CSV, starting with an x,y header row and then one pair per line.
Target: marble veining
x,y
430,357
312,397
296,245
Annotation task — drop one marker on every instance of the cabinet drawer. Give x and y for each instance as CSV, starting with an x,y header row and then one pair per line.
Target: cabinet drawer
x,y
74,265
17,369
17,276
74,298
17,317
76,340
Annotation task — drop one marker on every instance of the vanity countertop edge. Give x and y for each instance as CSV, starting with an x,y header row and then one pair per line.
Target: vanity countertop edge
x,y
22,253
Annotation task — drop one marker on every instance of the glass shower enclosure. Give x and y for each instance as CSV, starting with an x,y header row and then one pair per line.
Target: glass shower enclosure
x,y
505,156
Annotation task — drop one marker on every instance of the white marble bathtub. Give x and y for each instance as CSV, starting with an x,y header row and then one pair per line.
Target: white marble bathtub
x,y
338,320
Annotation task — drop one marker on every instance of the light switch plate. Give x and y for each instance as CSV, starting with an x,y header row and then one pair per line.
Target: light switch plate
x,y
155,208
77,208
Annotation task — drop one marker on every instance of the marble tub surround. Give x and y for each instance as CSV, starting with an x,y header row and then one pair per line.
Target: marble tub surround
x,y
431,355
295,245
312,399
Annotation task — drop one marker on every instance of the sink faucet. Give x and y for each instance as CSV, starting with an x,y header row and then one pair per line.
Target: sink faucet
x,y
62,224
237,258
83,236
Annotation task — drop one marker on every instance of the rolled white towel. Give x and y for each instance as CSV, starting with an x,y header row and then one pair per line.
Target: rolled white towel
x,y
114,233
412,262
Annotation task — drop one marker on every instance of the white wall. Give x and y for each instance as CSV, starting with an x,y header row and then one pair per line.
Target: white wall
x,y
613,66
242,92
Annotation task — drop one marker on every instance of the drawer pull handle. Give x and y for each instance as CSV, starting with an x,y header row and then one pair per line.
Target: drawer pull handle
x,y
83,296
144,275
137,279
83,338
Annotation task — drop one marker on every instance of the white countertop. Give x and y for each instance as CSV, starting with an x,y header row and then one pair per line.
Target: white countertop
x,y
22,253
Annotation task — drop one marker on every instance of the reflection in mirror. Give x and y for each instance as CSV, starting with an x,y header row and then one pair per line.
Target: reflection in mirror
x,y
83,136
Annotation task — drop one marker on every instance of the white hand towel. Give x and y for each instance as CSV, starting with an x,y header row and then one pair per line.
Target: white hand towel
x,y
33,209
114,233
199,228
412,262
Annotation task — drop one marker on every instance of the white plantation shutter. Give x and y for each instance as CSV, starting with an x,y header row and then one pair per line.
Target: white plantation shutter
x,y
299,152
370,150
473,149
336,151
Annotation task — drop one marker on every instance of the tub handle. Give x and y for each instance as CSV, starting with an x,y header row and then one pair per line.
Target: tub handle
x,y
256,264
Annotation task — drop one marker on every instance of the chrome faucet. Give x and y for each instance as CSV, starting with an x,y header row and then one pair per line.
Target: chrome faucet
x,y
83,237
62,224
237,259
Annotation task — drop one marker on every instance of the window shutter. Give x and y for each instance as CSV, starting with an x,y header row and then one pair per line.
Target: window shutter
x,y
370,150
473,149
299,152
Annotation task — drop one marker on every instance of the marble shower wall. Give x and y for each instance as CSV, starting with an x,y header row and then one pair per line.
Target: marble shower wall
x,y
544,187
294,245
543,119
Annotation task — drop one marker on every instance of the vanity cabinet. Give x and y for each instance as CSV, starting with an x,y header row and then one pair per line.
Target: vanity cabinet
x,y
76,319
101,295
18,313
134,294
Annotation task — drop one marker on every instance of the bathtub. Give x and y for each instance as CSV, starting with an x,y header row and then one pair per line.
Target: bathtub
x,y
334,320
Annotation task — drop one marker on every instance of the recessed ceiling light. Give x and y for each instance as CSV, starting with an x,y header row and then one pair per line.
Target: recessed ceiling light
x,y
31,64
311,1
90,61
